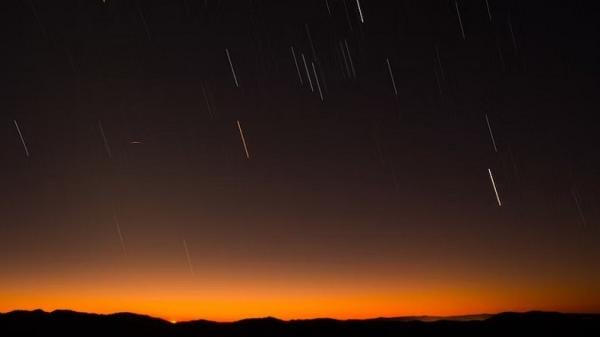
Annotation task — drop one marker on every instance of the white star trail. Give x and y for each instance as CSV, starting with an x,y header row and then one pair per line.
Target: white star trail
x,y
307,73
462,30
21,137
360,12
512,34
345,60
210,112
239,126
487,121
104,140
391,76
579,209
494,186
437,79
147,30
350,58
187,254
232,69
118,225
310,41
296,64
328,8
439,62
317,80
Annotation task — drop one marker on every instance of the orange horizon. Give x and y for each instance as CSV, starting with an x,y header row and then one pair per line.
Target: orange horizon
x,y
158,282
172,320
237,305
174,297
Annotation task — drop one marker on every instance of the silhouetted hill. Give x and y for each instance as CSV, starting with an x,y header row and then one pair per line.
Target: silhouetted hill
x,y
477,317
69,323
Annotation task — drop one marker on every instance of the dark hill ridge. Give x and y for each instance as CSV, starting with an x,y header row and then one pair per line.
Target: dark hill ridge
x,y
69,323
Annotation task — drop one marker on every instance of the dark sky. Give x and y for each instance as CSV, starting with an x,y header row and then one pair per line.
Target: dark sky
x,y
365,203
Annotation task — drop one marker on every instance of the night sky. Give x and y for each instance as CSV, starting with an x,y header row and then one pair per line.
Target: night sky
x,y
125,183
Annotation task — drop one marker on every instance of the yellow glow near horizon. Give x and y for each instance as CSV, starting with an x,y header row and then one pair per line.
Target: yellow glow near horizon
x,y
231,291
227,305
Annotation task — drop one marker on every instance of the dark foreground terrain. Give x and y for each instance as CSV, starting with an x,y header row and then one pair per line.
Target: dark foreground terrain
x,y
68,323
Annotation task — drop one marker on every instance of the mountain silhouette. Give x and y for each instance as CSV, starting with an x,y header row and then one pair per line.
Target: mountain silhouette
x,y
70,323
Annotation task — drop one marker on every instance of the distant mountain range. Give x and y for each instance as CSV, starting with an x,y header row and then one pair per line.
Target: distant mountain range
x,y
70,323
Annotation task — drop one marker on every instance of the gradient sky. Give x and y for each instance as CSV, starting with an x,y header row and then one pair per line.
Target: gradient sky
x,y
363,205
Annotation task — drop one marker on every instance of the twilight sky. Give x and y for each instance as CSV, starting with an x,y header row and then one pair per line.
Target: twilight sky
x,y
125,185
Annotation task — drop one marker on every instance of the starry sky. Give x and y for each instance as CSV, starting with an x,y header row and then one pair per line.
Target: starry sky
x,y
125,183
